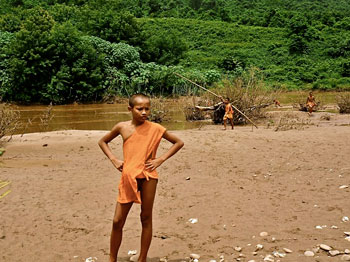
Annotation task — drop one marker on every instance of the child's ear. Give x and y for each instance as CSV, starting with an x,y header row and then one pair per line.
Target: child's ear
x,y
129,108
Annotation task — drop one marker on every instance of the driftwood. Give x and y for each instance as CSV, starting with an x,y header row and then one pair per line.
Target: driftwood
x,y
219,112
239,111
303,107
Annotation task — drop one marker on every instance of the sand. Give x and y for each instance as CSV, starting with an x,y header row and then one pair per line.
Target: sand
x,y
236,183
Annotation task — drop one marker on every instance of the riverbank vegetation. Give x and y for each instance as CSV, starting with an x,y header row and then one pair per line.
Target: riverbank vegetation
x,y
91,50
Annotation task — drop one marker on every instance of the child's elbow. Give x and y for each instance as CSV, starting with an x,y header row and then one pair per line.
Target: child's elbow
x,y
101,142
181,144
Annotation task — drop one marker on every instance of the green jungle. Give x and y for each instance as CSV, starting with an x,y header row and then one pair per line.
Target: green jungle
x,y
56,51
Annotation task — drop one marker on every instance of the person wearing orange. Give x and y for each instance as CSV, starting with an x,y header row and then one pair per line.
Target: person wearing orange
x,y
228,112
139,176
277,103
310,103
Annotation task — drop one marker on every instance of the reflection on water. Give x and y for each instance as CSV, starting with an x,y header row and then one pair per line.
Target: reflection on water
x,y
91,117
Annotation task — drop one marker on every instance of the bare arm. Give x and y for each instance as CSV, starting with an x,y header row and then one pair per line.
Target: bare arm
x,y
177,145
103,143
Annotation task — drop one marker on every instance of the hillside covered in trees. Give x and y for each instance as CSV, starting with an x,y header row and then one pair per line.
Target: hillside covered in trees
x,y
87,50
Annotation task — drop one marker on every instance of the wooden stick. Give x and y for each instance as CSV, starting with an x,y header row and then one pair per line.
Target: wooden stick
x,y
216,96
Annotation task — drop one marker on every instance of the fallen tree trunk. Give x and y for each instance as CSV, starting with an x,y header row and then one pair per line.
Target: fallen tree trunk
x,y
219,112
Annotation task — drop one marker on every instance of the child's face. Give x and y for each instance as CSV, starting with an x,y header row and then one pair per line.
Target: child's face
x,y
141,109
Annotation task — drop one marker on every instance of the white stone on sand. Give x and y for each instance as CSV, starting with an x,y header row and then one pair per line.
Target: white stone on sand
x,y
195,256
264,234
309,253
325,247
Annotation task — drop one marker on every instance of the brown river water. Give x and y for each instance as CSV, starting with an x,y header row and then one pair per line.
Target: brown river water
x,y
90,117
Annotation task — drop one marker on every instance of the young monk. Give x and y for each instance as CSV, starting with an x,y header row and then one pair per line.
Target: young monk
x,y
139,176
228,112
277,103
310,103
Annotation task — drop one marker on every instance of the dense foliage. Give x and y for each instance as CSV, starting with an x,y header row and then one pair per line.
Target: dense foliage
x,y
88,50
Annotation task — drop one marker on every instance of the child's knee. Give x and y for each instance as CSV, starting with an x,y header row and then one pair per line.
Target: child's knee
x,y
118,224
146,218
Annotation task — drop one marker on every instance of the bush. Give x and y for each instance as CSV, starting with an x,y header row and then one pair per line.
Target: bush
x,y
247,93
343,101
50,62
9,120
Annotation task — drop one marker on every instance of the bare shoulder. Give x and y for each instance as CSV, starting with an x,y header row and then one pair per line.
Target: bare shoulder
x,y
118,129
122,125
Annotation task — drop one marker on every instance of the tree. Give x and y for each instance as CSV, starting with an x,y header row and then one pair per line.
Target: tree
x,y
51,63
297,28
29,57
110,25
166,48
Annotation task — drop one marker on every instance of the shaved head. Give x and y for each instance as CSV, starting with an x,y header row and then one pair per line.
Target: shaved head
x,y
135,96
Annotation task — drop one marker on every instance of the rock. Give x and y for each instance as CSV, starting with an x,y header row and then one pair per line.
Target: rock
x,y
347,233
347,238
278,254
318,227
325,247
193,220
334,227
273,239
309,253
254,253
238,249
212,260
188,178
345,219
194,256
287,250
132,252
251,260
315,249
134,258
343,187
345,258
163,259
264,234
334,253
91,259
347,251
259,247
269,258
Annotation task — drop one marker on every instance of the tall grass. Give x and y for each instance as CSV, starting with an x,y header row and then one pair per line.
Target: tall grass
x,y
343,101
247,93
9,120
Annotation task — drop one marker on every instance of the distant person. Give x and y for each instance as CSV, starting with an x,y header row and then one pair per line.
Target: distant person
x,y
277,103
310,103
228,112
139,176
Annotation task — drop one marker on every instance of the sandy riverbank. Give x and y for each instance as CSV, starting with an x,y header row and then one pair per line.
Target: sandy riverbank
x,y
63,193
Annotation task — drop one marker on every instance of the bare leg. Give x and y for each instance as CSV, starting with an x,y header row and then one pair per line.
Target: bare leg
x,y
225,124
310,110
120,214
148,192
231,122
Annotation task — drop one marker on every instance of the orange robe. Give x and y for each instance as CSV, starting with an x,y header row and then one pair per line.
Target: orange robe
x,y
137,149
228,112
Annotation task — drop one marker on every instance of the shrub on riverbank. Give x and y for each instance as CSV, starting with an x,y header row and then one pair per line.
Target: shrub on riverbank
x,y
246,93
343,101
9,120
